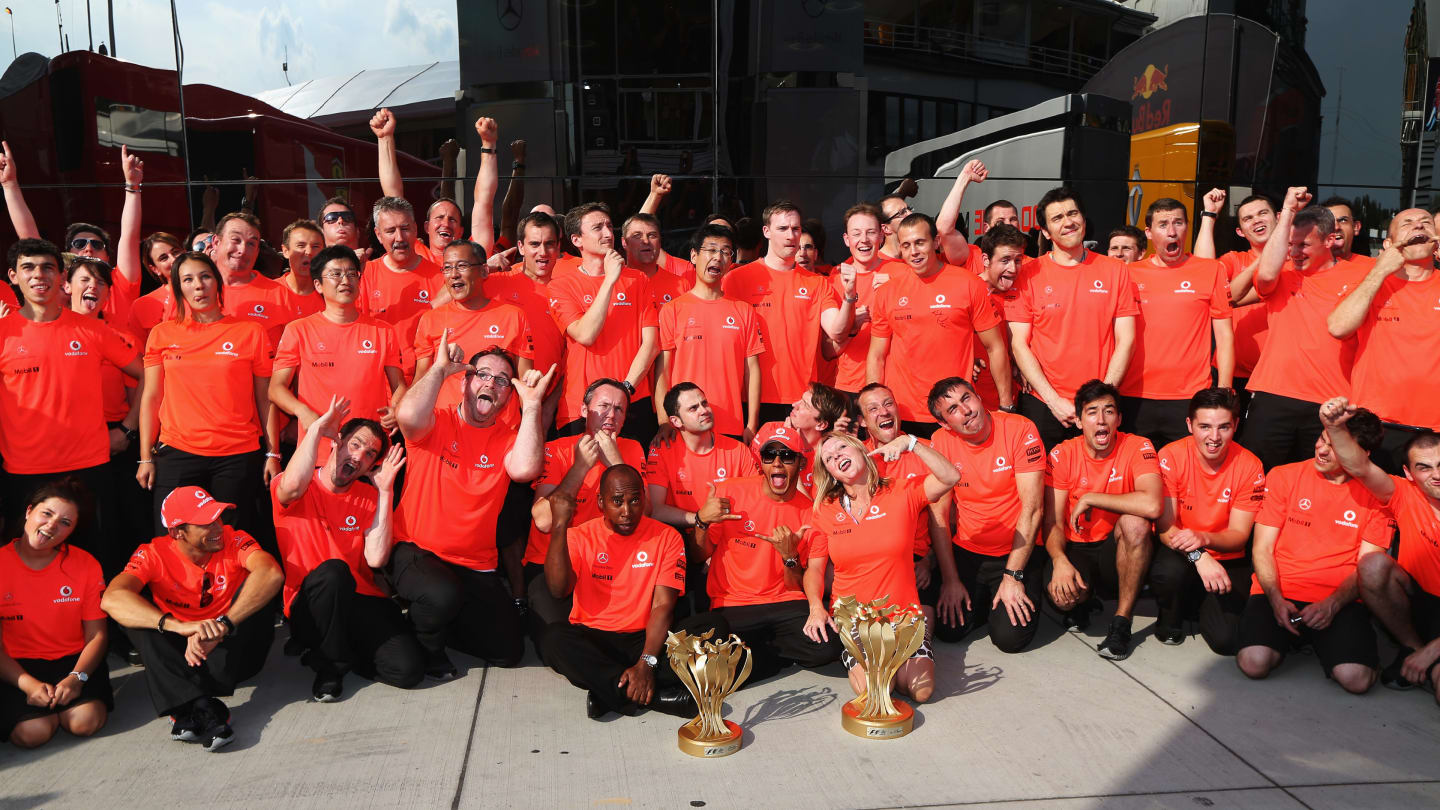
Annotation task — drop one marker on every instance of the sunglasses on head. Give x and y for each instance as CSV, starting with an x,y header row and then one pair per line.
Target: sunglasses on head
x,y
80,243
769,454
339,216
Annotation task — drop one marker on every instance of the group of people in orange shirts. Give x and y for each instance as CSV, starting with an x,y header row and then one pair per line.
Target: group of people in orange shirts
x,y
464,443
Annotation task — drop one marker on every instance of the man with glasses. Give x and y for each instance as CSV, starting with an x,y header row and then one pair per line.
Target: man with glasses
x,y
461,460
473,320
338,351
894,208
206,630
713,341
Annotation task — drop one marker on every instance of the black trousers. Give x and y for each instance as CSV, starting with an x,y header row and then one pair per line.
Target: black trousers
x,y
1280,430
545,610
1051,431
1178,589
174,684
981,575
454,606
347,631
1160,420
775,634
232,479
97,531
594,659
923,430
1095,562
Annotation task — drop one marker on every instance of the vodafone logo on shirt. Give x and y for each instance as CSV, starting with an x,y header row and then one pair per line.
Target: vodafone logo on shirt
x,y
351,524
422,297
1224,495
729,323
802,293
77,349
1186,288
227,349
720,473
484,463
494,329
367,346
875,513
940,302
259,311
1098,286
642,560
1348,520
1001,464
1114,476
67,594
620,300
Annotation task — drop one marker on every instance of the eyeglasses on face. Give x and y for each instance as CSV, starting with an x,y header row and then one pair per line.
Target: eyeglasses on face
x,y
724,253
351,275
339,216
80,243
769,454
500,380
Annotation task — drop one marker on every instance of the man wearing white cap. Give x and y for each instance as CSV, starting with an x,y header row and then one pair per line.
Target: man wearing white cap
x,y
207,579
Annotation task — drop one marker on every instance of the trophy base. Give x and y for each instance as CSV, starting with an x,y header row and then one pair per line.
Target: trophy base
x,y
884,728
709,749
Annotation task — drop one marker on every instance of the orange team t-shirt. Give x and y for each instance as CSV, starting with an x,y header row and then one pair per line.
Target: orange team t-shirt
x,y
1203,499
874,555
710,341
7,296
686,476
1072,312
1397,353
399,298
1305,362
1321,527
52,412
559,456
334,359
1419,552
263,301
1072,469
567,264
209,385
1173,332
1361,260
123,293
631,311
932,323
987,499
667,286
789,303
906,467
192,592
150,309
306,303
807,475
533,298
616,575
41,611
679,267
983,380
495,324
116,385
850,365
455,483
1252,322
745,569
325,525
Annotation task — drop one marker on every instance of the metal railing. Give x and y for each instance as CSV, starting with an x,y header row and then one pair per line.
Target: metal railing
x,y
960,45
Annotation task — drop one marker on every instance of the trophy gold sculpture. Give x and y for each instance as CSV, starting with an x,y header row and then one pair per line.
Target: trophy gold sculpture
x,y
882,638
708,670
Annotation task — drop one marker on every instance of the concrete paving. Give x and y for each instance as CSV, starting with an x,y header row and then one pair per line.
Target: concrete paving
x,y
1055,727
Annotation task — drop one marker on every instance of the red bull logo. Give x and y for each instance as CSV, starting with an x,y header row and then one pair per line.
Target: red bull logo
x,y
1150,82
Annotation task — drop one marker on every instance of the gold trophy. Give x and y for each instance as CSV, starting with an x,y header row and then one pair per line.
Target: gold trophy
x,y
882,638
707,669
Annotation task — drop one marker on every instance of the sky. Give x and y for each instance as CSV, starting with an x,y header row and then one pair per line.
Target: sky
x,y
241,47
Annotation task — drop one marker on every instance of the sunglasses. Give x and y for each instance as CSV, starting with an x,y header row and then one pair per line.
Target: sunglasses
x,y
202,245
206,597
768,456
81,243
339,216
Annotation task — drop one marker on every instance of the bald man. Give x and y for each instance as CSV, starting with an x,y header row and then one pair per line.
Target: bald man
x,y
1392,314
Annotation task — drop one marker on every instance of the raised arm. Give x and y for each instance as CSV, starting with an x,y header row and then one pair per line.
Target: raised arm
x,y
383,125
487,180
1335,415
587,330
952,242
295,480
379,539
127,250
1272,258
20,216
1348,316
514,192
416,414
1214,203
526,459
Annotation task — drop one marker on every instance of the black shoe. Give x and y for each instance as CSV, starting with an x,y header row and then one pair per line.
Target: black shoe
x,y
1172,637
133,658
675,700
439,667
328,686
214,717
294,646
184,728
1116,645
594,709
1391,676
1077,619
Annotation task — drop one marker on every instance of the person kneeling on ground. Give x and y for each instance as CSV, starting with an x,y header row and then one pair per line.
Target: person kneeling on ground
x,y
333,531
624,571
208,628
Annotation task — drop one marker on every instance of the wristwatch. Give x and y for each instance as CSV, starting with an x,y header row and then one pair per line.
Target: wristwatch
x,y
1016,574
1010,408
1194,556
131,434
791,562
80,676
650,660
229,625
628,386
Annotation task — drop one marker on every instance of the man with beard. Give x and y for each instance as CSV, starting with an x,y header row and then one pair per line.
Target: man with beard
x,y
1074,319
1213,488
461,459
990,562
713,341
623,572
333,531
1184,301
1393,315
1102,490
929,305
602,409
758,542
402,285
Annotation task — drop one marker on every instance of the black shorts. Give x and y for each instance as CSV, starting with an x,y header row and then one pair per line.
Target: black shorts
x,y
13,708
1350,638
1425,613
